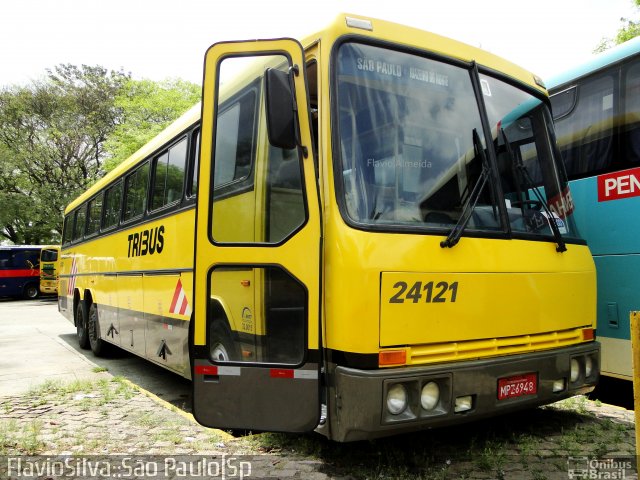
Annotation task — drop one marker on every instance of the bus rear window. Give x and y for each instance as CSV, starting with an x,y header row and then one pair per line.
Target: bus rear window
x,y
49,255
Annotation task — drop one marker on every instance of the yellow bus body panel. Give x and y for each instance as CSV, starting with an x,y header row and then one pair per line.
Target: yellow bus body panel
x,y
501,292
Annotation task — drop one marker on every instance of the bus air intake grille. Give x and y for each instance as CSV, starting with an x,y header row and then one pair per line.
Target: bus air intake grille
x,y
491,347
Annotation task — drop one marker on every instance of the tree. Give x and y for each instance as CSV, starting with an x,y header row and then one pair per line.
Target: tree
x,y
147,107
52,136
60,134
630,29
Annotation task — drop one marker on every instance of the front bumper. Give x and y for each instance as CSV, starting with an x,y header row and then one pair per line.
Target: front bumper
x,y
357,398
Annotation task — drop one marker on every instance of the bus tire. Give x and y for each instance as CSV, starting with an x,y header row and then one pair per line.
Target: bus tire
x,y
81,326
222,347
31,291
99,347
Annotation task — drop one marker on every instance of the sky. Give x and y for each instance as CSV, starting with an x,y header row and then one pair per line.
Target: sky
x,y
159,39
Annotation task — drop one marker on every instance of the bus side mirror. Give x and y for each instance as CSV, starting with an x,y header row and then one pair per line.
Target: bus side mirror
x,y
280,109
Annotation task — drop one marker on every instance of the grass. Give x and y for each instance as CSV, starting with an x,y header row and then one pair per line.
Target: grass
x,y
51,388
491,457
579,404
147,419
536,441
168,435
20,438
24,437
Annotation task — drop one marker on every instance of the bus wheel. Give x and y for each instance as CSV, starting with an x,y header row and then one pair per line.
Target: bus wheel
x,y
222,348
98,346
31,291
81,326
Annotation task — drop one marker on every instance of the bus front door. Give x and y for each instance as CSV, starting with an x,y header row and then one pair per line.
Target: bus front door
x,y
256,336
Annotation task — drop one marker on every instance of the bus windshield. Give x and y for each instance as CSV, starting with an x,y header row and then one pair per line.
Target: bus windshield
x,y
413,150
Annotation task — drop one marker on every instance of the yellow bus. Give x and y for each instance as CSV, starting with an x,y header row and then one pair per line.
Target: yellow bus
x,y
49,269
364,233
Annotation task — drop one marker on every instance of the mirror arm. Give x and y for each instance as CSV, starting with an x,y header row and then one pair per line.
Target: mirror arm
x,y
294,70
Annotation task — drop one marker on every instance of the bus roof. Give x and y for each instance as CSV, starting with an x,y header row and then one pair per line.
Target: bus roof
x,y
595,63
344,24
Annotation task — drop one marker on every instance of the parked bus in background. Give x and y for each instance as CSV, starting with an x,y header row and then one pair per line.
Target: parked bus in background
x,y
49,269
19,271
365,233
596,108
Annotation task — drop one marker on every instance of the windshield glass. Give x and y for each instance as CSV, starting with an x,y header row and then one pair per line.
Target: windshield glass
x,y
532,177
408,158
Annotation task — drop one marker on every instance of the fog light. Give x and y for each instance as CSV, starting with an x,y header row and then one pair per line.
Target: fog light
x,y
575,370
397,399
463,404
430,396
588,366
558,386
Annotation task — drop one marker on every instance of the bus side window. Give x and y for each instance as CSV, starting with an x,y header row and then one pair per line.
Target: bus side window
x,y
194,155
285,201
234,193
26,259
112,202
235,140
4,259
168,175
94,213
563,103
631,126
135,196
585,134
32,258
67,231
80,223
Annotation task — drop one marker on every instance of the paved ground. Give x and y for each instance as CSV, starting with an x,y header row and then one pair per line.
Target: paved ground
x,y
57,400
38,344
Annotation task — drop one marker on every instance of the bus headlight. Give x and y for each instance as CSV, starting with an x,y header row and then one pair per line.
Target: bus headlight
x,y
588,366
396,399
430,396
575,370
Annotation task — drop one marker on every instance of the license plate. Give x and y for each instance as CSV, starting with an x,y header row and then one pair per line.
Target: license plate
x,y
517,386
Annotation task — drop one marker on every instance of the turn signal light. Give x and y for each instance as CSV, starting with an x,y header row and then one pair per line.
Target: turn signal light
x,y
392,357
588,334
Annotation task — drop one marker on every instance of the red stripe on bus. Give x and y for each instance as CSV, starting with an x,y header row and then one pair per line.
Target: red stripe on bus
x,y
281,373
176,295
19,273
183,307
206,370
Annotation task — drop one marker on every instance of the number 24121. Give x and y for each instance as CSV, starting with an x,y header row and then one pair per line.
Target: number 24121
x,y
440,292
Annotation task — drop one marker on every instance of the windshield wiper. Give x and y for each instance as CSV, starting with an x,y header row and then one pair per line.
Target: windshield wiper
x,y
472,200
561,245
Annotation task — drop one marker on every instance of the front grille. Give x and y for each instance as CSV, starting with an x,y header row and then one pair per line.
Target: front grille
x,y
492,347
